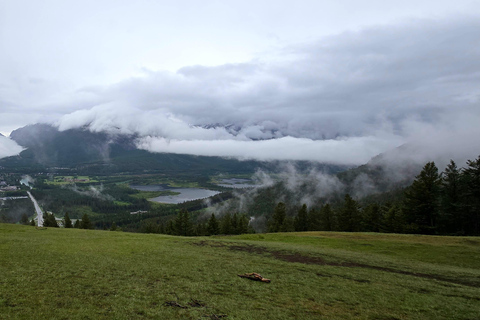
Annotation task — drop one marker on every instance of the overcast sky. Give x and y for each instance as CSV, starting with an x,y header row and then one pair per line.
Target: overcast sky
x,y
334,81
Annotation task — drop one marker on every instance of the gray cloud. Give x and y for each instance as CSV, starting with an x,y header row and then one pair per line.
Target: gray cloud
x,y
341,99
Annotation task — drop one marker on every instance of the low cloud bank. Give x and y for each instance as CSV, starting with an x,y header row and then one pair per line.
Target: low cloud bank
x,y
8,147
348,151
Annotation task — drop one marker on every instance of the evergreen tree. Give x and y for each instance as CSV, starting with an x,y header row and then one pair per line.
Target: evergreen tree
x,y
326,218
422,199
243,222
372,218
85,223
77,224
235,225
394,220
349,218
24,219
277,223
451,214
170,228
213,227
314,220
49,220
32,223
183,225
301,220
471,177
226,224
68,222
113,227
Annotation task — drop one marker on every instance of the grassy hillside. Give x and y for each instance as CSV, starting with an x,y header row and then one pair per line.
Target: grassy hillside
x,y
85,274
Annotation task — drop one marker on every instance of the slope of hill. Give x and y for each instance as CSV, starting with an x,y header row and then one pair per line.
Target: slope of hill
x,y
98,153
84,274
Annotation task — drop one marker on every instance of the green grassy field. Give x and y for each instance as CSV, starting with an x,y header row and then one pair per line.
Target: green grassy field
x,y
85,274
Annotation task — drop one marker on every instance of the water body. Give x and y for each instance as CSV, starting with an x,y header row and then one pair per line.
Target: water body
x,y
236,183
184,194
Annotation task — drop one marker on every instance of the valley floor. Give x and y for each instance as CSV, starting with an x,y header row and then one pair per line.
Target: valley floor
x,y
85,274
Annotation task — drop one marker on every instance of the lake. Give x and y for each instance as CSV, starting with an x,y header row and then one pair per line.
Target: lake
x,y
185,194
236,183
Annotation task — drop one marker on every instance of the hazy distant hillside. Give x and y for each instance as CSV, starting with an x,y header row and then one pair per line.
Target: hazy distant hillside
x,y
105,153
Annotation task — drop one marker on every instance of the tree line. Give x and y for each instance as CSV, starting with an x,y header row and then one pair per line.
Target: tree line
x,y
446,203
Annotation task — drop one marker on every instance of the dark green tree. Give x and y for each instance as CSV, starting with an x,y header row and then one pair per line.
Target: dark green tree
x,y
421,205
212,226
394,220
24,219
372,218
183,224
314,219
235,225
349,215
77,224
451,218
86,223
326,218
471,178
301,220
243,222
49,220
226,224
68,222
32,223
277,223
113,227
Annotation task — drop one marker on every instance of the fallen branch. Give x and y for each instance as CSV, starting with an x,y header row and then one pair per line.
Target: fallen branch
x,y
254,276
215,316
174,304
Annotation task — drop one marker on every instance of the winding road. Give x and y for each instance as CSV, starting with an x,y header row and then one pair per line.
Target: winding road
x,y
37,209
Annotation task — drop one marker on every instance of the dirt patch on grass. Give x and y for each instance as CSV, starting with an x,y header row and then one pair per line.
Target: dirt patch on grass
x,y
299,258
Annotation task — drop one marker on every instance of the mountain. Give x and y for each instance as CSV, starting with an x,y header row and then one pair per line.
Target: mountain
x,y
99,152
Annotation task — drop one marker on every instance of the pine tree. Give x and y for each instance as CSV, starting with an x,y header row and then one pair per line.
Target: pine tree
x,y
422,200
371,218
113,227
213,227
235,224
314,220
326,218
183,225
77,224
394,220
226,224
301,220
24,219
170,228
278,219
349,218
68,222
471,177
243,222
49,220
32,223
86,224
451,217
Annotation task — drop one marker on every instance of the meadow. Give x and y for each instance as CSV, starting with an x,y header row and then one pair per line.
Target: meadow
x,y
86,274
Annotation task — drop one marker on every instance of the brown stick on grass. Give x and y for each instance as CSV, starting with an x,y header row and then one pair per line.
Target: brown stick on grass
x,y
254,276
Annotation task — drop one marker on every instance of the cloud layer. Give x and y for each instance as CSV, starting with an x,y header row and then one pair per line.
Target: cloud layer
x,y
8,147
341,99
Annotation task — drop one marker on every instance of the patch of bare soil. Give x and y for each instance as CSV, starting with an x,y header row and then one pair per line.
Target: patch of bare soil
x,y
296,257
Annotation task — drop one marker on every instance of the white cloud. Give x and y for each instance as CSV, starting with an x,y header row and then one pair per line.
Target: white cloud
x,y
8,147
